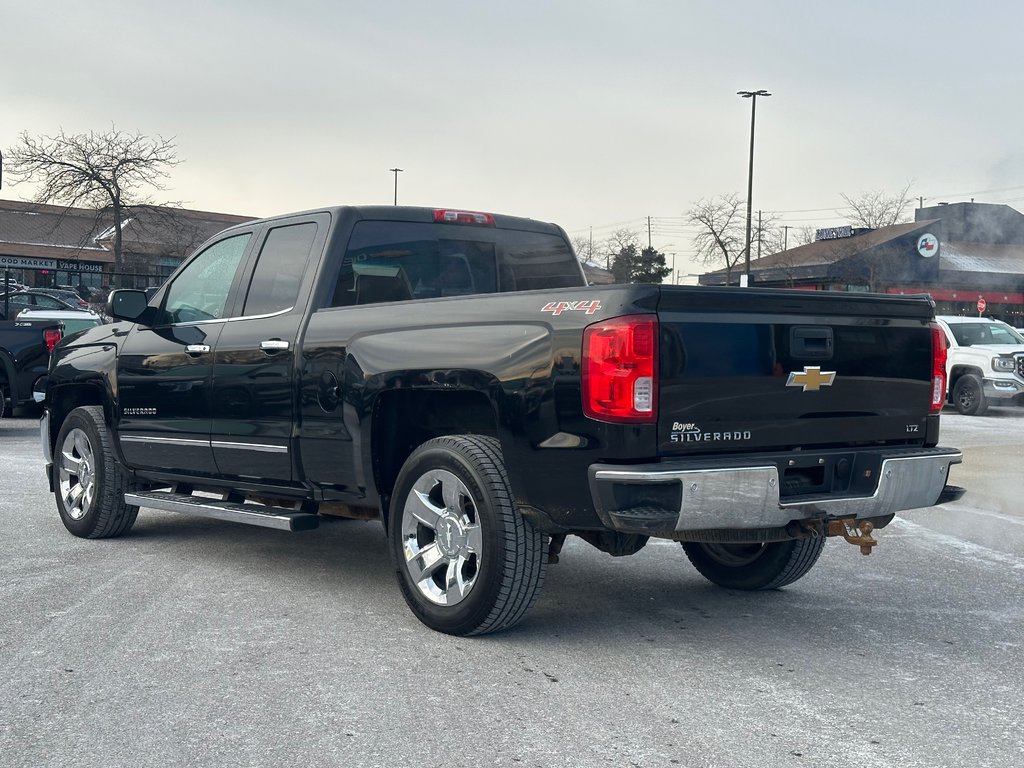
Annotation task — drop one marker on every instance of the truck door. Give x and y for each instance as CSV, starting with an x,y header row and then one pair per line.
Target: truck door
x,y
254,391
164,371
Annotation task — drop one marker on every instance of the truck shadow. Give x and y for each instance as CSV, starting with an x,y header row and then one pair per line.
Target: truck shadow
x,y
655,597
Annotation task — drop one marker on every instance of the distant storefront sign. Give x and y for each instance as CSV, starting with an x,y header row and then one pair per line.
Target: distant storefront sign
x,y
66,265
833,233
927,245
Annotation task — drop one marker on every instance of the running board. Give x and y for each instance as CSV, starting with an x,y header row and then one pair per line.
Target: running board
x,y
265,517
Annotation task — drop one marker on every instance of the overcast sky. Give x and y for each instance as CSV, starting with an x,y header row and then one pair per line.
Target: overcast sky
x,y
588,114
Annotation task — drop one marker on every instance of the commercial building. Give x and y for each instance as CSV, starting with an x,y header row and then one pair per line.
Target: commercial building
x,y
48,245
965,255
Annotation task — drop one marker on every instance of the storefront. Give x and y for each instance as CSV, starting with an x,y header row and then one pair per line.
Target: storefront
x,y
44,272
965,255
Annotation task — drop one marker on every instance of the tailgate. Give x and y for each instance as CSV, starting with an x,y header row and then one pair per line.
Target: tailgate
x,y
752,369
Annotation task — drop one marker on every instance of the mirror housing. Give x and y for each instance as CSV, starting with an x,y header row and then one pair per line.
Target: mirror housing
x,y
127,304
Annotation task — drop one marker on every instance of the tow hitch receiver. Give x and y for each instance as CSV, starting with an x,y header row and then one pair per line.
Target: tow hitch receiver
x,y
854,532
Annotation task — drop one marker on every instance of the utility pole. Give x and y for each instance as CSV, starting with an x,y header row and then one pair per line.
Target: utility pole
x,y
785,237
752,95
920,202
649,246
396,171
759,234
7,275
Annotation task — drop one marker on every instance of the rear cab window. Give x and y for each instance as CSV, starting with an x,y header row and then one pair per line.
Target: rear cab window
x,y
387,261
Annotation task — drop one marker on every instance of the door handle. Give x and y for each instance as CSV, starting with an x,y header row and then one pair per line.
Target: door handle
x,y
274,345
195,350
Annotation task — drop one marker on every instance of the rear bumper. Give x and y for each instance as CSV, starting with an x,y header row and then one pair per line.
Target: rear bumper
x,y
687,495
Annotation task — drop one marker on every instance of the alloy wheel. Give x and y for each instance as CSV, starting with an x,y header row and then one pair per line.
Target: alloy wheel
x,y
77,474
441,538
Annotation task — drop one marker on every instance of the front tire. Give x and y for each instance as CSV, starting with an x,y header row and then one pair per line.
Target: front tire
x,y
969,395
89,483
467,562
755,566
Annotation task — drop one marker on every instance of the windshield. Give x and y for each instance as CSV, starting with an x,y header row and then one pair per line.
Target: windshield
x,y
969,334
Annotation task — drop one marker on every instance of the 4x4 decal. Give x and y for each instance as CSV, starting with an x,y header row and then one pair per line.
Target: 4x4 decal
x,y
558,307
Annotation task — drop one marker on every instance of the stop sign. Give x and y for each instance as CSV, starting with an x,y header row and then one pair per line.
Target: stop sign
x,y
981,304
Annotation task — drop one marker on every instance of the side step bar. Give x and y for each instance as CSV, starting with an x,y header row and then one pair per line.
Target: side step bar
x,y
265,517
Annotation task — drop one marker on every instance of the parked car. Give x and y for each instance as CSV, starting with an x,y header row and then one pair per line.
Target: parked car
x,y
17,301
71,320
984,363
79,290
67,295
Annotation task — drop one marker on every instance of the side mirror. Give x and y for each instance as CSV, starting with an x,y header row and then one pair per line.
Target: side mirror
x,y
126,304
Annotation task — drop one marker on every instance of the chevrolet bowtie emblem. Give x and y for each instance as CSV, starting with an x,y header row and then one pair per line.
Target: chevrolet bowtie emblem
x,y
811,378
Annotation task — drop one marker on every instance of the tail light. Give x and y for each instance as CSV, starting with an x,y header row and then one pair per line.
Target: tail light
x,y
51,336
447,216
938,368
619,364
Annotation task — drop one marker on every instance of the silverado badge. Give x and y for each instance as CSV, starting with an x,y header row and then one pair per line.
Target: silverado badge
x,y
812,378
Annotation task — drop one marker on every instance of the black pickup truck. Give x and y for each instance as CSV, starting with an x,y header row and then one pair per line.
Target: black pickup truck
x,y
451,373
25,347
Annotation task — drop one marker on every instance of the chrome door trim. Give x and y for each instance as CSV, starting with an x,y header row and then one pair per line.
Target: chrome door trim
x,y
164,440
260,447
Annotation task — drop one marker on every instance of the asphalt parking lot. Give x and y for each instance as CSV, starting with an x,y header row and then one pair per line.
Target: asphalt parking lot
x,y
203,643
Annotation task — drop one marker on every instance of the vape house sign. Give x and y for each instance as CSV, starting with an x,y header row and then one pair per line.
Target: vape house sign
x,y
25,262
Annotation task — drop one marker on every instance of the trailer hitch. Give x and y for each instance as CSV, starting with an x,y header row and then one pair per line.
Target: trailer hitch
x,y
858,533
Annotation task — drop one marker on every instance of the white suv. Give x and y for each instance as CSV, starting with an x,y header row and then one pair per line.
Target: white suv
x,y
984,363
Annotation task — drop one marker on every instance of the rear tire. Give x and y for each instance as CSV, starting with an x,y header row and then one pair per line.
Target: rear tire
x,y
969,395
89,483
467,562
755,566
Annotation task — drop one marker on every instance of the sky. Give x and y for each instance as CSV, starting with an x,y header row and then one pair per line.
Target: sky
x,y
593,115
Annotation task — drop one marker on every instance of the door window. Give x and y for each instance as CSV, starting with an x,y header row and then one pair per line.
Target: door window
x,y
279,270
200,291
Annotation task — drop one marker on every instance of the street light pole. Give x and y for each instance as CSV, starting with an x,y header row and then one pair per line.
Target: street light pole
x,y
396,171
752,95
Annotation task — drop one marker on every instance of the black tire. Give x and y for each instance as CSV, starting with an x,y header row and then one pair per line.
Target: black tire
x,y
755,566
89,483
969,395
467,562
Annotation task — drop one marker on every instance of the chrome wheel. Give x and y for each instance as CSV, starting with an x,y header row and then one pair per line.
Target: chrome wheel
x,y
77,478
441,537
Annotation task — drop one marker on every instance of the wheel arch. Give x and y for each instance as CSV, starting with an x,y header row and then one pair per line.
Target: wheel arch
x,y
62,400
403,419
956,373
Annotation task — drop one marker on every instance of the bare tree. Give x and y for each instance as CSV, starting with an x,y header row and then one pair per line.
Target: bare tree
x,y
804,235
721,234
584,248
878,208
620,240
107,171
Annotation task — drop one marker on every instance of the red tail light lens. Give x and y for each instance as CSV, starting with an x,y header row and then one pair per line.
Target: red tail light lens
x,y
938,368
619,364
51,336
447,216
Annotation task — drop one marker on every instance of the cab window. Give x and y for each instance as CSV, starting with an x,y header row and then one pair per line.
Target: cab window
x,y
279,270
200,291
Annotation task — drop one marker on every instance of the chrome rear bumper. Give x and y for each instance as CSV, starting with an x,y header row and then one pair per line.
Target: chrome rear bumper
x,y
683,495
